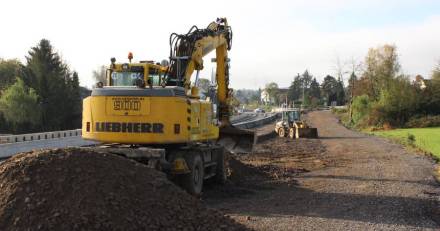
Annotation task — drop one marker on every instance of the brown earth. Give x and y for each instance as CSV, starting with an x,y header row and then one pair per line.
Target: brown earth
x,y
343,181
75,189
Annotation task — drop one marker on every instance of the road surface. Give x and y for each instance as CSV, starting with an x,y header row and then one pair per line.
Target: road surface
x,y
6,150
359,182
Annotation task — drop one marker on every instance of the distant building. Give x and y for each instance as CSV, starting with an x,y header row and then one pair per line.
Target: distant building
x,y
266,99
420,82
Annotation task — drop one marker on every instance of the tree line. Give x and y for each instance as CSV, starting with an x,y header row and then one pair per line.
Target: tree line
x,y
383,96
305,90
42,94
378,93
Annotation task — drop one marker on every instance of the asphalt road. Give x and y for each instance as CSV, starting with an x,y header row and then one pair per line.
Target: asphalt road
x,y
7,150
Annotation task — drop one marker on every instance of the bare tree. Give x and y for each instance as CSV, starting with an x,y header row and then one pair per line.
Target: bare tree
x,y
100,74
355,68
340,69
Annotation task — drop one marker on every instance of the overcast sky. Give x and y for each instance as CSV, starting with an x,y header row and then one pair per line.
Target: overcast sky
x,y
273,40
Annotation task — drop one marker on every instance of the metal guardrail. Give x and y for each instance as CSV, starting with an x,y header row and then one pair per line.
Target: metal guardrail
x,y
268,117
39,136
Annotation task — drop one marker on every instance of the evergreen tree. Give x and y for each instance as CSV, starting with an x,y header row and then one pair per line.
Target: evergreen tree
x,y
74,102
351,85
295,89
330,89
340,93
50,77
315,90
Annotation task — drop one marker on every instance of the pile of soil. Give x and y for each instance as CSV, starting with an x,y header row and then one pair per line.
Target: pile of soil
x,y
274,161
76,189
285,158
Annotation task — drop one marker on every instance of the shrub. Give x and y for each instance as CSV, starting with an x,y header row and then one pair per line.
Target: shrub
x,y
396,103
339,110
411,139
361,109
423,122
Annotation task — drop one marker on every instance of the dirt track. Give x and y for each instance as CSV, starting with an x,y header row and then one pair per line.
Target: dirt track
x,y
358,183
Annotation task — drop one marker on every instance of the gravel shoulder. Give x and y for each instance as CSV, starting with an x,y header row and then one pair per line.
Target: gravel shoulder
x,y
343,181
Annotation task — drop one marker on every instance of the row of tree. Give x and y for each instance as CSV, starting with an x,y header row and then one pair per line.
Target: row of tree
x,y
306,90
40,95
383,96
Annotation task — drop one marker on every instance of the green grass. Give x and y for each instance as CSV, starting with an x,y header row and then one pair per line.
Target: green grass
x,y
427,139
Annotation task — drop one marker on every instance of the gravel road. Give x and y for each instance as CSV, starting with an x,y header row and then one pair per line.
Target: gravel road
x,y
359,182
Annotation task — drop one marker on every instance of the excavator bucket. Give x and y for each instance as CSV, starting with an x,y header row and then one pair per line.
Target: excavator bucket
x,y
237,140
307,133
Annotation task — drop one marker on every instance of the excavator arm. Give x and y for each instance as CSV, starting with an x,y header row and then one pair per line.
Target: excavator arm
x,y
186,56
187,52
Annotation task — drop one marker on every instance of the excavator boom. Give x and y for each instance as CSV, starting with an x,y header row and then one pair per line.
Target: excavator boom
x,y
186,56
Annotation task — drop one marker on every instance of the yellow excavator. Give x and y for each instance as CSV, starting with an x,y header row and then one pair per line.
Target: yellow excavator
x,y
153,112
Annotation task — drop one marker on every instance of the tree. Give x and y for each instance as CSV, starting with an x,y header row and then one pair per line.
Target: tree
x,y
300,87
351,85
436,73
9,69
351,88
382,66
340,93
295,89
74,101
19,106
430,96
330,89
315,90
273,90
99,75
396,104
50,77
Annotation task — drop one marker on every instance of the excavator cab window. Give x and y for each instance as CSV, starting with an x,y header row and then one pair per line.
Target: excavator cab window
x,y
154,76
125,78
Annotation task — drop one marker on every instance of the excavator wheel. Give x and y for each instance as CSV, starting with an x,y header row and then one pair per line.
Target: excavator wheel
x,y
193,182
292,133
281,132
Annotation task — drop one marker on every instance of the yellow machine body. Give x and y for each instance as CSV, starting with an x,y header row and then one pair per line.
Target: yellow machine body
x,y
150,115
150,120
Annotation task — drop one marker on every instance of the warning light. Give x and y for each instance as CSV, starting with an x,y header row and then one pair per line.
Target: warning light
x,y
130,56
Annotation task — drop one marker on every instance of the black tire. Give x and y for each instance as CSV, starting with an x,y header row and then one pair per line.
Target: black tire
x,y
281,132
221,169
292,133
193,181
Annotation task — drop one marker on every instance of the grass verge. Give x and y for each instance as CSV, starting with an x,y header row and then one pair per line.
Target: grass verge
x,y
426,139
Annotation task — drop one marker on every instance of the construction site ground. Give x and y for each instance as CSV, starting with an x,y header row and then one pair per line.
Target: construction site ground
x,y
342,181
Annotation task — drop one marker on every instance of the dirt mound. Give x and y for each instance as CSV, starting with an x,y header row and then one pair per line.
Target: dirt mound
x,y
75,189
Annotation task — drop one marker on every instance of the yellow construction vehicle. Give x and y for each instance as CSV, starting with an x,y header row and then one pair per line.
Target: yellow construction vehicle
x,y
292,126
156,109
